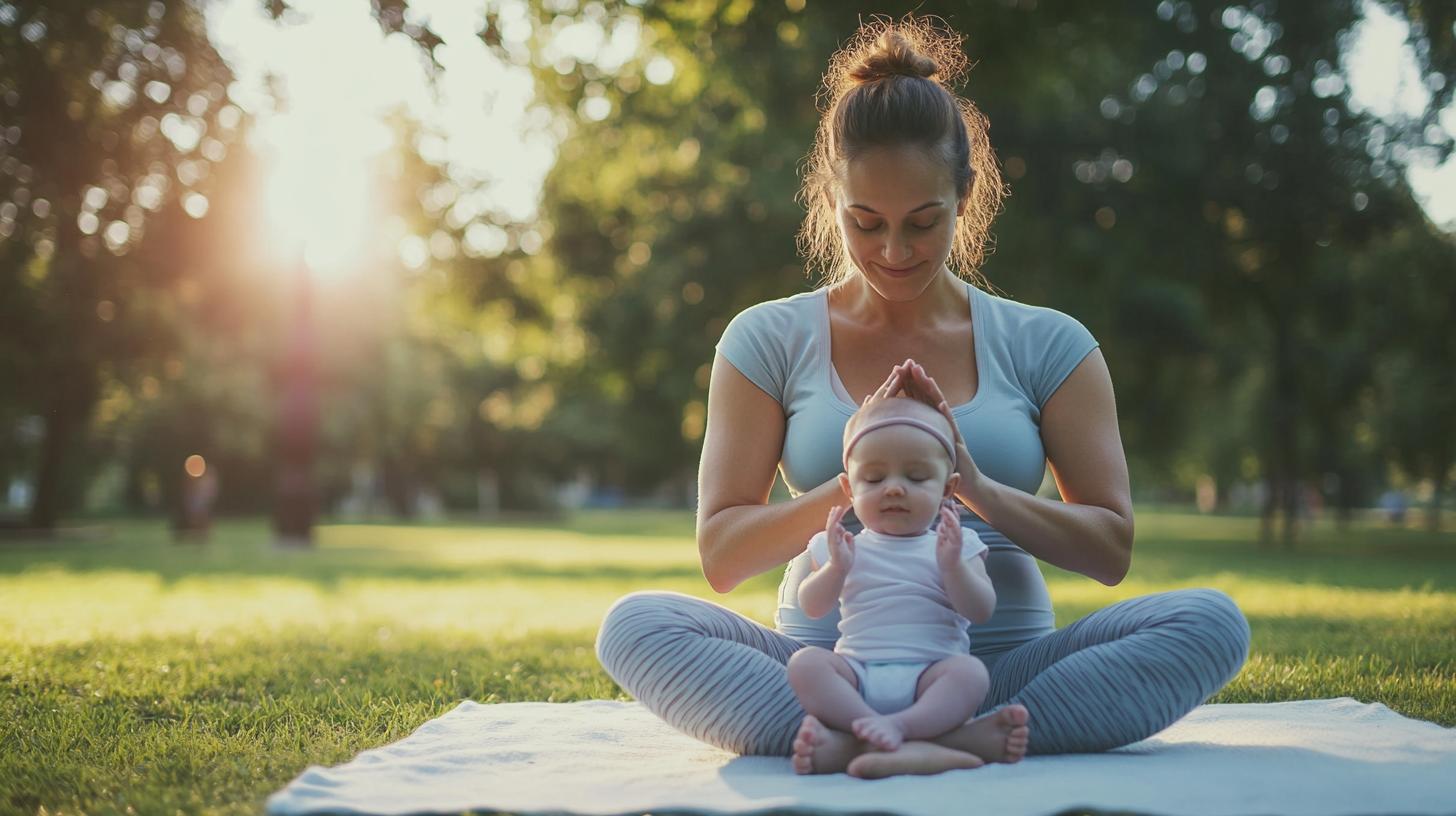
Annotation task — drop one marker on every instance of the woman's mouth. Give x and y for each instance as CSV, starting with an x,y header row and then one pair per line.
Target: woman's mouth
x,y
898,273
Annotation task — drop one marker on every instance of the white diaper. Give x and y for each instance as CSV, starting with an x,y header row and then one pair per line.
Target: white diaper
x,y
888,686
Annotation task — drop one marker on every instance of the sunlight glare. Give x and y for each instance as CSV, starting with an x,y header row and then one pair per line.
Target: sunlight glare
x,y
317,195
318,192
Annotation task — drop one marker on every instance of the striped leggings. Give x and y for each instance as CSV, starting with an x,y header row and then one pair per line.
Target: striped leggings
x,y
1112,678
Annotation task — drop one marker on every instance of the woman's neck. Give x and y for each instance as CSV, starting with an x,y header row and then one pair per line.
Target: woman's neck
x,y
942,301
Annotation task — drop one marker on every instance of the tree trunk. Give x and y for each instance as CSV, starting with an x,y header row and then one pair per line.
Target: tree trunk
x,y
296,501
1433,510
66,380
1284,415
1266,513
45,509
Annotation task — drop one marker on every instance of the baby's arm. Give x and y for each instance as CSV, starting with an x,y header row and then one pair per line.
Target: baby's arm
x,y
819,592
970,591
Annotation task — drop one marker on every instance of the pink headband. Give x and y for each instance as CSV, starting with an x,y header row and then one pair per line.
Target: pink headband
x,y
939,435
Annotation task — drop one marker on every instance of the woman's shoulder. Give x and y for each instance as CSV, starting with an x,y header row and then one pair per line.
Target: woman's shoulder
x,y
1024,320
1041,344
789,308
769,341
778,322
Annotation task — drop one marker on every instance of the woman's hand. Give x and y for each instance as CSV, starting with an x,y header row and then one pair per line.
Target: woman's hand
x,y
909,378
841,541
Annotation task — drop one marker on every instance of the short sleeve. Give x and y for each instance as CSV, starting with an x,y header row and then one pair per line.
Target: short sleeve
x,y
971,545
754,344
819,549
1054,346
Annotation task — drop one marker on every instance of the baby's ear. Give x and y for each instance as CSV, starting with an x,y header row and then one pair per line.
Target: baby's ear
x,y
844,485
951,484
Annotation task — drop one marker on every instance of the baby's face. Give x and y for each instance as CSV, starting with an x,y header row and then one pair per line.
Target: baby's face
x,y
897,479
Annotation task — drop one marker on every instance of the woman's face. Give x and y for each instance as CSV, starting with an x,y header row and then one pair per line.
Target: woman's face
x,y
897,211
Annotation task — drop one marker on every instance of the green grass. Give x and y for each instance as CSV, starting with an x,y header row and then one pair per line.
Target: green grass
x,y
140,675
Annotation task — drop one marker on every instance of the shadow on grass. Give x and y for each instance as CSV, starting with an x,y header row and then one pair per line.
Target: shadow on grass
x,y
244,549
1181,548
648,548
331,571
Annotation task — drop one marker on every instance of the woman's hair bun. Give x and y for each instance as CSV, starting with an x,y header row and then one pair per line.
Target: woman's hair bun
x,y
893,55
864,105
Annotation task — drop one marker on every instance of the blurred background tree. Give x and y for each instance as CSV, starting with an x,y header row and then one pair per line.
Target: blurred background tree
x,y
1194,181
1189,179
114,114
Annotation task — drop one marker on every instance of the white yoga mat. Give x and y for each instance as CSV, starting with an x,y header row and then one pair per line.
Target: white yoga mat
x,y
1327,757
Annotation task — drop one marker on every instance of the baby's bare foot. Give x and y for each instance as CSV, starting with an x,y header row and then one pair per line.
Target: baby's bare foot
x,y
882,731
920,758
819,749
1000,736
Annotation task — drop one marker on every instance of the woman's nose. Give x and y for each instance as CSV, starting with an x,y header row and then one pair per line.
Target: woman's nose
x,y
896,249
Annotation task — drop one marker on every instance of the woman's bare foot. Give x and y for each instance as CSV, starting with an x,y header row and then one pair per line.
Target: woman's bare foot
x,y
819,749
920,758
1000,736
882,731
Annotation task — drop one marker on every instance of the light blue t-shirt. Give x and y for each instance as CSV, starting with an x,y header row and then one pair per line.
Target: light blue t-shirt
x,y
1023,354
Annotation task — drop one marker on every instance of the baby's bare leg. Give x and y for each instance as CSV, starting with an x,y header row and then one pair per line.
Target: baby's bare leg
x,y
827,688
945,697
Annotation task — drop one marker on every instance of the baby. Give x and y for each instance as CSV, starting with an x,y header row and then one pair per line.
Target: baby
x,y
901,669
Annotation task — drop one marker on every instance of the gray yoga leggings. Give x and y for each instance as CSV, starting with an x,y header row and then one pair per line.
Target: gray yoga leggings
x,y
1112,678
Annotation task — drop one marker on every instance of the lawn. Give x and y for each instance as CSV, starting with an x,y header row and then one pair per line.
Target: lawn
x,y
138,675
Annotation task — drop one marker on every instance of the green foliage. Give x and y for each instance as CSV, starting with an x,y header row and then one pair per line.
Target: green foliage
x,y
114,116
1207,182
1188,179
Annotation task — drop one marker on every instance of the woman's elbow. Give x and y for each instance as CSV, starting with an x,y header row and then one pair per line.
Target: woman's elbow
x,y
721,583
714,570
1120,562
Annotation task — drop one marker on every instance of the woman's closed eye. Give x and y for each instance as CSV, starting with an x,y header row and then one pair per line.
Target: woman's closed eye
x,y
876,227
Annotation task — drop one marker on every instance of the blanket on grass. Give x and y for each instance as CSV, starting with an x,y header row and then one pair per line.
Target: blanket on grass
x,y
1334,757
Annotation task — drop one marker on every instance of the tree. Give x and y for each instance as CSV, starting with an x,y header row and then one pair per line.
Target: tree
x,y
1188,179
111,115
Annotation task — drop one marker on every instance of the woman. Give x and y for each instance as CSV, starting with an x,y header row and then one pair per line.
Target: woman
x,y
901,188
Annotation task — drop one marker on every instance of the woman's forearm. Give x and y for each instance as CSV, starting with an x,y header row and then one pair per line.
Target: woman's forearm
x,y
737,543
1091,540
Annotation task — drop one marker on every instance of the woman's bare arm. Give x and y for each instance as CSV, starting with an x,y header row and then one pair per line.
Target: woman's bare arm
x,y
739,534
1091,530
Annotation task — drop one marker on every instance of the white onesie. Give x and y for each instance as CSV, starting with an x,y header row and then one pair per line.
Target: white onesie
x,y
895,618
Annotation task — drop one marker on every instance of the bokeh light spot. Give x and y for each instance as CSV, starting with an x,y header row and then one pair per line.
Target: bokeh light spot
x,y
195,466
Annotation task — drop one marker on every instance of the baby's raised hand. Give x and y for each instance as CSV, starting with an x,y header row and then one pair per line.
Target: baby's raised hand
x,y
948,539
841,541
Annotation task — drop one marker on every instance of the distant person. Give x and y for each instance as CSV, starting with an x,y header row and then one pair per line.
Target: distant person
x,y
1394,504
199,492
901,668
901,188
